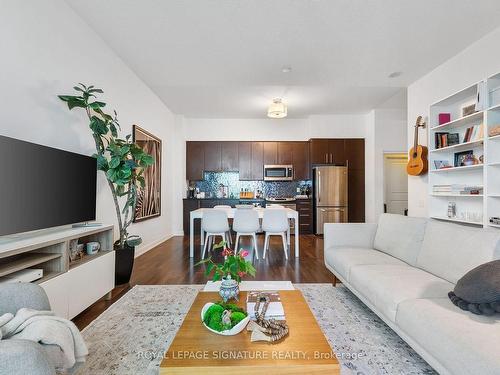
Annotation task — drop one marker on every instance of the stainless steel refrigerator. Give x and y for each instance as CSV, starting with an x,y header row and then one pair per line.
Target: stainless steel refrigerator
x,y
330,196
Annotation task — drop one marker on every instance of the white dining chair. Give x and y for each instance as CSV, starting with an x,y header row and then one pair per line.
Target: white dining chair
x,y
275,223
226,207
214,223
246,223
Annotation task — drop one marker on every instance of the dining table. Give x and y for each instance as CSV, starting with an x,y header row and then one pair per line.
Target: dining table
x,y
198,214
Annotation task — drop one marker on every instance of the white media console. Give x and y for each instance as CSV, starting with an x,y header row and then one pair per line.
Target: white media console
x,y
72,286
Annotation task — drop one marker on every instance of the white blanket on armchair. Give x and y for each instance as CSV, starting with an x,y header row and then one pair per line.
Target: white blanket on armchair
x,y
46,328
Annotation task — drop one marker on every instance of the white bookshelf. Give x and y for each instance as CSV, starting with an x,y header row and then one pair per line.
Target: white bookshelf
x,y
486,174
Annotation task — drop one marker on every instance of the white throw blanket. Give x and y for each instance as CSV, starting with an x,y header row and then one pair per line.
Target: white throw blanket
x,y
46,328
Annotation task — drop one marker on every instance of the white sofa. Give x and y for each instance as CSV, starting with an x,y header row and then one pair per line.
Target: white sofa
x,y
403,268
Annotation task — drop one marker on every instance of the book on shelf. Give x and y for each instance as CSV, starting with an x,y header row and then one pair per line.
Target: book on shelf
x,y
444,139
274,310
474,133
457,189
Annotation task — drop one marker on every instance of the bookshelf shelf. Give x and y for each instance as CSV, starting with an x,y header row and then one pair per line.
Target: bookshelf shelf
x,y
459,146
494,225
445,218
494,108
462,121
457,169
494,138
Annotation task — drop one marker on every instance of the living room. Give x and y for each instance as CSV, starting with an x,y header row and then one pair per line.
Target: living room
x,y
334,163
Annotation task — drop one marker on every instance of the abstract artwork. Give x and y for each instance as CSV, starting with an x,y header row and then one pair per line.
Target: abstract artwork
x,y
149,197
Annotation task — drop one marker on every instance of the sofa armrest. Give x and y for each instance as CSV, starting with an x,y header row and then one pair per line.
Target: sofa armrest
x,y
14,296
24,357
349,235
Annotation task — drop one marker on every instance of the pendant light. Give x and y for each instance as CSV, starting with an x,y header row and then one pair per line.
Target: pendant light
x,y
277,109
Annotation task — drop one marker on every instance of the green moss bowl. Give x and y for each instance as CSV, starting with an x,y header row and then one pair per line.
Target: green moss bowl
x,y
228,332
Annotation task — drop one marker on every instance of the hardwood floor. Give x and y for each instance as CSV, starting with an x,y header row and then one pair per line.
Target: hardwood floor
x,y
169,263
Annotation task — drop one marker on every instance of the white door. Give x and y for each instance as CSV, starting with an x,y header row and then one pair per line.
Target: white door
x,y
396,183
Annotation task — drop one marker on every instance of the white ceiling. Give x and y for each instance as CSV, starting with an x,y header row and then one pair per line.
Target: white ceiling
x,y
223,58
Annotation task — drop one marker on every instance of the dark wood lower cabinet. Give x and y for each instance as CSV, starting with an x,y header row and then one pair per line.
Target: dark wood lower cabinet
x,y
305,210
356,196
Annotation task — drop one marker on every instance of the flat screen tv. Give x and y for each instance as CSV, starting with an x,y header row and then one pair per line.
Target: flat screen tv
x,y
43,187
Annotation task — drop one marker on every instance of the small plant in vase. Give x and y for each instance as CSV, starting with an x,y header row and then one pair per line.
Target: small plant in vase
x,y
230,272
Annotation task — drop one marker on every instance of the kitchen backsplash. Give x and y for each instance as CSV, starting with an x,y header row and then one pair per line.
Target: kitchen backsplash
x,y
210,185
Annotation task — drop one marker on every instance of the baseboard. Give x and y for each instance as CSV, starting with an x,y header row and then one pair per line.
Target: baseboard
x,y
145,248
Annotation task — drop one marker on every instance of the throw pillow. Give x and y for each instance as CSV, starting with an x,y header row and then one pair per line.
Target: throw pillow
x,y
478,291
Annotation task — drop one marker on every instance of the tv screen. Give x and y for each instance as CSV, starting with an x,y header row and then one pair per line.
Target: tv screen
x,y
43,187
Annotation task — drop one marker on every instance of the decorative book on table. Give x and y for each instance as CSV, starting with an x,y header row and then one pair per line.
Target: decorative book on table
x,y
275,309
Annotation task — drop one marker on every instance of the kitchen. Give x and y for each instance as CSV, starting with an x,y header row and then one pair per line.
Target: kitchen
x,y
276,172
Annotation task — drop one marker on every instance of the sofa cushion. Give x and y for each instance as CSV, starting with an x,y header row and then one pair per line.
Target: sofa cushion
x,y
400,236
463,343
386,286
450,250
342,259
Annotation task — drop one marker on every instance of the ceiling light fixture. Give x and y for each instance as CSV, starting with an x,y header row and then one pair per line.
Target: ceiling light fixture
x,y
286,69
277,109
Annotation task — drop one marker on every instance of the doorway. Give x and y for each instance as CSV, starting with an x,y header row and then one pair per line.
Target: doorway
x,y
395,183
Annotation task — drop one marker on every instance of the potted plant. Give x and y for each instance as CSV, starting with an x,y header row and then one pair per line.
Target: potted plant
x,y
230,272
123,163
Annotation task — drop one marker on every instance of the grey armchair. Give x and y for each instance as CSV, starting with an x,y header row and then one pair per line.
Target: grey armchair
x,y
23,356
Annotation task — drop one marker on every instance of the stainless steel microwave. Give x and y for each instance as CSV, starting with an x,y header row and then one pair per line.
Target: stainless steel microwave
x,y
278,172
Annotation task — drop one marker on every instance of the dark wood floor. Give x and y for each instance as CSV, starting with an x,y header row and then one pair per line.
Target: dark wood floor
x,y
169,263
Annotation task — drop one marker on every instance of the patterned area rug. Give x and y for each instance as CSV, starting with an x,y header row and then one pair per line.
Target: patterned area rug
x,y
131,336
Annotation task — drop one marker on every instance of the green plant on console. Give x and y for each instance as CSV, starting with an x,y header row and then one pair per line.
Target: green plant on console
x,y
121,160
234,264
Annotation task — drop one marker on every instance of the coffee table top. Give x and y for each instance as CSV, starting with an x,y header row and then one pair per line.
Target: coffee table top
x,y
197,350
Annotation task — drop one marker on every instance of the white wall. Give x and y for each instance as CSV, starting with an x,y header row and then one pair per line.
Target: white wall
x,y
47,49
476,62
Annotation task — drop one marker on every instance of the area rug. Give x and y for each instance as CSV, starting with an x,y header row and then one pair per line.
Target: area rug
x,y
131,336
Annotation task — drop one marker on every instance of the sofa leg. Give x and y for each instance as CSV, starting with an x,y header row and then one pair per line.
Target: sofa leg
x,y
334,280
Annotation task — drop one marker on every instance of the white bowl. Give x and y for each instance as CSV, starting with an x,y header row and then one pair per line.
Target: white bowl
x,y
228,332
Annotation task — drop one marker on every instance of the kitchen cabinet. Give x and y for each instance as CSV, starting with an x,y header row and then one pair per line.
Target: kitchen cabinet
x,y
285,153
305,210
229,156
356,195
213,156
319,151
189,205
257,161
245,160
270,153
195,160
328,151
300,161
355,153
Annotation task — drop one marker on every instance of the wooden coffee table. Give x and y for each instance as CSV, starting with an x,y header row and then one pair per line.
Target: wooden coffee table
x,y
196,350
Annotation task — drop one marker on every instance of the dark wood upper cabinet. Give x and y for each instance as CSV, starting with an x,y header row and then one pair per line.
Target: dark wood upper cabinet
x,y
257,161
245,160
195,160
284,152
229,156
320,149
355,153
300,161
213,156
336,149
270,153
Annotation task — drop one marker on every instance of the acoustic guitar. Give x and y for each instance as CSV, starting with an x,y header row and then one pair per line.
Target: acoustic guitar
x,y
417,163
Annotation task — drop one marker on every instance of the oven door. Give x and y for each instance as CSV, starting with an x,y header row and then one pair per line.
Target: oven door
x,y
278,173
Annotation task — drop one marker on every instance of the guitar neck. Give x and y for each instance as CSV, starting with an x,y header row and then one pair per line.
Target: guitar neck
x,y
415,138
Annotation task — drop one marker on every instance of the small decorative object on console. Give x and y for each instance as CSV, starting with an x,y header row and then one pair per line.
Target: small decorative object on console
x,y
478,291
264,329
92,247
495,220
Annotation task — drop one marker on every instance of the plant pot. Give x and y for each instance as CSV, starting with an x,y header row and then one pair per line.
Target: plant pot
x,y
124,263
229,289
